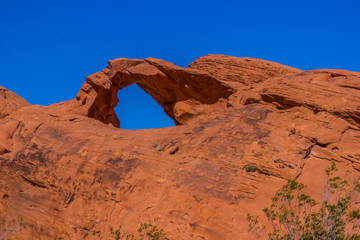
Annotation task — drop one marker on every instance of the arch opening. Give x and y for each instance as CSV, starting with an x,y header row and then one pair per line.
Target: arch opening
x,y
136,109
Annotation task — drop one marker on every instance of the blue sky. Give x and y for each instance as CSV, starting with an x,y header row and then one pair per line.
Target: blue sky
x,y
47,47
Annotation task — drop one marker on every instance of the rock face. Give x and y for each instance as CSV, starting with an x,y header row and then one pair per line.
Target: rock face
x,y
10,102
245,71
68,169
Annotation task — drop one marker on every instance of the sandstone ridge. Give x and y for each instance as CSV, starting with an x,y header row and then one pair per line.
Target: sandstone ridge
x,y
69,168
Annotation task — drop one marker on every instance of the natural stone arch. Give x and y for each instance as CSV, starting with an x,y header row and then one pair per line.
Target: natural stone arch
x,y
178,90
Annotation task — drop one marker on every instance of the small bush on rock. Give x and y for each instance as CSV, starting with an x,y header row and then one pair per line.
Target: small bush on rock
x,y
9,229
146,231
294,215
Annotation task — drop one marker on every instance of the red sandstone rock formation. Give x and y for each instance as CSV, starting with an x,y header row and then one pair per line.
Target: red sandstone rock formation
x,y
10,102
68,168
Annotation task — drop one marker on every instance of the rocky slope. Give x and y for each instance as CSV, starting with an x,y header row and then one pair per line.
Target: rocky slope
x,y
68,168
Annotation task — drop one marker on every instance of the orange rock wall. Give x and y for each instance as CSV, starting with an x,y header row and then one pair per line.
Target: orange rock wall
x,y
68,168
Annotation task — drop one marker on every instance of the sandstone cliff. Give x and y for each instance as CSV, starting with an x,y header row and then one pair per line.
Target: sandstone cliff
x,y
69,168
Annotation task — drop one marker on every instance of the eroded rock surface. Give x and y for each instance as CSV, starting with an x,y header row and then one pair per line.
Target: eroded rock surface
x,y
245,71
10,102
67,172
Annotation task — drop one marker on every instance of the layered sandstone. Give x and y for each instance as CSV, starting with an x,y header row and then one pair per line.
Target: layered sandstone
x,y
68,168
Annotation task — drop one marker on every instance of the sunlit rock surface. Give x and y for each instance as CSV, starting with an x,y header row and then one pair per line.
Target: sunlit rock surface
x,y
68,169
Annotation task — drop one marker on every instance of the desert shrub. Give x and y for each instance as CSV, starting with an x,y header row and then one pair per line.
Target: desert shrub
x,y
146,231
295,215
250,168
159,148
8,229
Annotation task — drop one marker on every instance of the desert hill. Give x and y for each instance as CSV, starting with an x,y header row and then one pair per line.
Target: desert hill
x,y
244,126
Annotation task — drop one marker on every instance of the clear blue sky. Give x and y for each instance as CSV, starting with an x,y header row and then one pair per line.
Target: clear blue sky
x,y
47,47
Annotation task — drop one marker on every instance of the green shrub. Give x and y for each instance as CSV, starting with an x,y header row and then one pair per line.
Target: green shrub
x,y
8,229
146,231
159,148
295,215
250,168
